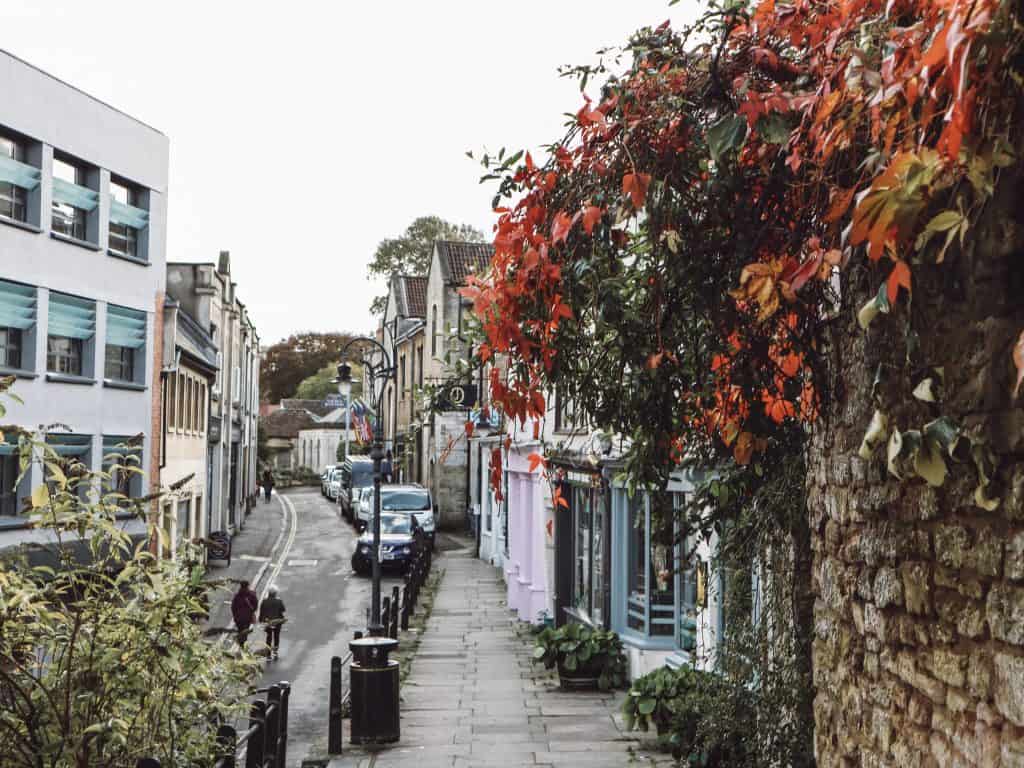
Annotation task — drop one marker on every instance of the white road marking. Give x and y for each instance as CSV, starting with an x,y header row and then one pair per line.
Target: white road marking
x,y
290,509
254,558
297,563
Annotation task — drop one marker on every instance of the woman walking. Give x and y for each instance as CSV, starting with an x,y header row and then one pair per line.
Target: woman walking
x,y
268,484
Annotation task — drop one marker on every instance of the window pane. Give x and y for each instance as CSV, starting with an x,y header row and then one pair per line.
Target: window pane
x,y
64,355
12,201
121,193
8,485
582,513
66,171
169,394
12,149
10,347
637,564
597,570
68,220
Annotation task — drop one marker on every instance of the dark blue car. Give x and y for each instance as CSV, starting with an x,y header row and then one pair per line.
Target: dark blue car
x,y
400,536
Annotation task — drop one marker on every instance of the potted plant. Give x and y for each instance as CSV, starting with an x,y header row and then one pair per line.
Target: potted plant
x,y
586,658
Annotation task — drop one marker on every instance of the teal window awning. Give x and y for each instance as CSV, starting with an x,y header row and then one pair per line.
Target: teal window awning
x,y
126,327
72,194
19,174
72,317
17,305
127,215
69,445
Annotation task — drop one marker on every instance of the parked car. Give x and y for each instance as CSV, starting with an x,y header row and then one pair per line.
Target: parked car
x,y
325,477
411,499
400,536
356,473
334,484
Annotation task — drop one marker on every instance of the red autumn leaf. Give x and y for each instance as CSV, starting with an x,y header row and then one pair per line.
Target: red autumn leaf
x,y
1018,360
537,401
634,185
900,275
655,360
591,216
469,428
560,227
535,461
549,527
840,204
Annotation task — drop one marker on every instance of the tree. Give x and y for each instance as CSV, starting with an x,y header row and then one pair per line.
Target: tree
x,y
321,384
673,267
410,253
104,662
288,363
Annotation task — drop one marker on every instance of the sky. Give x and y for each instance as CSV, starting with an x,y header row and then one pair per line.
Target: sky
x,y
304,133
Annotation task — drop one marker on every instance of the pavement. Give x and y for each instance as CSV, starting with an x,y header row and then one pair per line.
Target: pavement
x,y
475,699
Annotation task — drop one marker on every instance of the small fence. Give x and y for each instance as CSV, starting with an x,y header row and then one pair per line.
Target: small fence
x,y
265,742
395,613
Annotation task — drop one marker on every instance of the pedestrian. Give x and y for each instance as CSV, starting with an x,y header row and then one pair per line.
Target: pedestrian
x,y
268,484
386,468
272,617
243,610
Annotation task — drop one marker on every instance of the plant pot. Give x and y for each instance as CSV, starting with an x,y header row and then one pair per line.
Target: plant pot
x,y
583,678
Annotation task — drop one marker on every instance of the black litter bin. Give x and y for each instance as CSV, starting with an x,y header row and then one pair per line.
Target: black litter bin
x,y
374,686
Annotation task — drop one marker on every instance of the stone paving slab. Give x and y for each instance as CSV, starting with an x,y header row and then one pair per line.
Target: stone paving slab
x,y
474,699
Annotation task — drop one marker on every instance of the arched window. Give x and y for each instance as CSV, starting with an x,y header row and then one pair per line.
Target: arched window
x,y
433,330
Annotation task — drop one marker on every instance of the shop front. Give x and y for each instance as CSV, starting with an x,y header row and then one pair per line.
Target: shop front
x,y
524,525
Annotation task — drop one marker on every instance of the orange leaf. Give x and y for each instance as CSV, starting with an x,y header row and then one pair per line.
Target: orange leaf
x,y
591,216
654,360
635,186
937,51
560,227
744,449
535,461
840,203
1018,360
900,275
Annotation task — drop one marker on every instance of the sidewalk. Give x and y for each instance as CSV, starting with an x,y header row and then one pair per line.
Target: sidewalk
x,y
475,699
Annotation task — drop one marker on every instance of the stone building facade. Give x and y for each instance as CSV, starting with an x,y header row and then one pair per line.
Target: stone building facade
x,y
918,653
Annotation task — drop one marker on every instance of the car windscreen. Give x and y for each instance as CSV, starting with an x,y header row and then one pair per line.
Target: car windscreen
x,y
362,475
406,500
395,524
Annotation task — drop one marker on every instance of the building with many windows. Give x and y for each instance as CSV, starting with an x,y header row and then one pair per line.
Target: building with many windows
x,y
82,277
206,293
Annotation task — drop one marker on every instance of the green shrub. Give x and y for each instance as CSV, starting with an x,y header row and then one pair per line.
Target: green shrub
x,y
694,713
578,648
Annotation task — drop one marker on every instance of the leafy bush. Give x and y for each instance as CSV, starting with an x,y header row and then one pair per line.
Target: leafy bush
x,y
581,650
686,708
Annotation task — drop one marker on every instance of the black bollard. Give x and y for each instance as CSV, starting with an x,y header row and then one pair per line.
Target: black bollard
x,y
394,614
226,740
273,719
385,614
282,725
334,724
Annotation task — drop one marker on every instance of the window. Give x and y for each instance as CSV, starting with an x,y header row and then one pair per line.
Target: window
x,y
74,457
202,408
126,338
565,412
583,553
72,325
126,220
180,404
122,463
433,330
401,377
419,365
9,471
14,178
72,199
190,421
17,325
169,400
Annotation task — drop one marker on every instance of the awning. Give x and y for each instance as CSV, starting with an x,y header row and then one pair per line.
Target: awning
x,y
72,317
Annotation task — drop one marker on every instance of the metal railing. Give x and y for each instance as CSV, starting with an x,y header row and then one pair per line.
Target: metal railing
x,y
265,742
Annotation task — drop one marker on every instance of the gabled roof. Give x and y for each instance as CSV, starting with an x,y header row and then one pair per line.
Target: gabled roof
x,y
459,260
193,340
287,423
415,295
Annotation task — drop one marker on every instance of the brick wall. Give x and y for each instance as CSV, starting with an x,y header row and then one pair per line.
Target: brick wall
x,y
919,593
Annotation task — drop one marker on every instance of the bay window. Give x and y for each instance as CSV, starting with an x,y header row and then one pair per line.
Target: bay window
x,y
126,341
72,326
17,325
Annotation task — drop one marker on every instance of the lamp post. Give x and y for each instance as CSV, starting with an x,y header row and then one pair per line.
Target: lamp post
x,y
345,390
382,373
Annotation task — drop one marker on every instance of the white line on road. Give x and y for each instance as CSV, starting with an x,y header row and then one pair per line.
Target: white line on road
x,y
283,554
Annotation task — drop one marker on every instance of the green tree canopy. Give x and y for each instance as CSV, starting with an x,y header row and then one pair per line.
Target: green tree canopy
x,y
321,384
290,362
409,254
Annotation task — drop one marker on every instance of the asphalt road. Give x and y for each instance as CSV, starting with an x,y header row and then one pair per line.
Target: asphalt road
x,y
325,603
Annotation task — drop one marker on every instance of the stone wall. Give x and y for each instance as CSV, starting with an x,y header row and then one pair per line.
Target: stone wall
x,y
919,594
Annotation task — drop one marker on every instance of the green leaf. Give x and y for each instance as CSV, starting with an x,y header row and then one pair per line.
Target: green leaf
x,y
40,496
570,663
774,128
880,303
725,135
647,705
539,651
929,464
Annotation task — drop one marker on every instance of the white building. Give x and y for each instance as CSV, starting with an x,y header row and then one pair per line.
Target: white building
x,y
83,219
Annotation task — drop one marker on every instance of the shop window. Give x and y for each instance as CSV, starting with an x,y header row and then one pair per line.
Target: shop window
x,y
651,577
588,510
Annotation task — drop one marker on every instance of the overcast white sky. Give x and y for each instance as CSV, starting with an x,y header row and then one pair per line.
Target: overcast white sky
x,y
302,133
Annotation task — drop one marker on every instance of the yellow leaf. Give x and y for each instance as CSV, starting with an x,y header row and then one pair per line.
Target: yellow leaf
x,y
40,496
929,464
874,436
989,505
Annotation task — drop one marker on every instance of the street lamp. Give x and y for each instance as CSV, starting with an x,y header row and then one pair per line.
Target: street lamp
x,y
344,382
375,373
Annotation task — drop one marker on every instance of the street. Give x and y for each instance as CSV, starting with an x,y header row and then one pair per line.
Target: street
x,y
302,545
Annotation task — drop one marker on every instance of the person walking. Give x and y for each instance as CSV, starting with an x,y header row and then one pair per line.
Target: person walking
x,y
268,484
386,468
243,610
272,617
